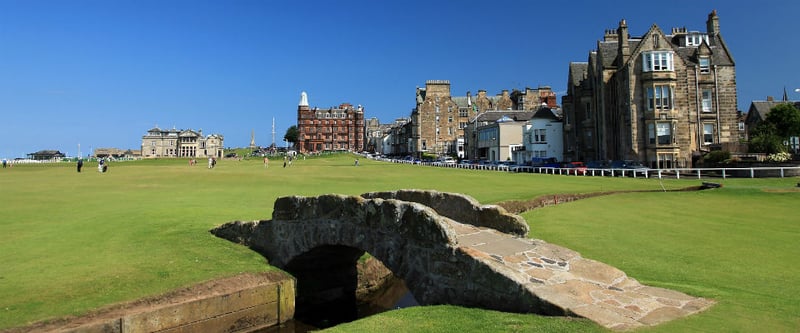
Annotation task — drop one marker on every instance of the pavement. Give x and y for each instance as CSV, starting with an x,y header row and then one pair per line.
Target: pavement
x,y
579,286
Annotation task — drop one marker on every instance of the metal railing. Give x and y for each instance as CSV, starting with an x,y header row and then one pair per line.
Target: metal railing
x,y
676,173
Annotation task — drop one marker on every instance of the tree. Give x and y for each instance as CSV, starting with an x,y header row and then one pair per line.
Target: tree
x,y
786,119
292,133
764,139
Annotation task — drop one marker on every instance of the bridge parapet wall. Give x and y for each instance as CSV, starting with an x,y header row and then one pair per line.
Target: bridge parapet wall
x,y
461,208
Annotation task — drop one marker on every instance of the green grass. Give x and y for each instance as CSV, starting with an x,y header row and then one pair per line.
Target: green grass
x,y
74,242
737,245
446,318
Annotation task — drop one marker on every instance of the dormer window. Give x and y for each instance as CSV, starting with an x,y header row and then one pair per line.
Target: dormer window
x,y
695,39
705,65
657,61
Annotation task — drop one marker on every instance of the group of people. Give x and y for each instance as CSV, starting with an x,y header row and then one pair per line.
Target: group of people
x,y
287,160
102,165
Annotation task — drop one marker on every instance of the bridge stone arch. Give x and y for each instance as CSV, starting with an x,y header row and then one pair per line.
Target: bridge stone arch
x,y
444,261
411,239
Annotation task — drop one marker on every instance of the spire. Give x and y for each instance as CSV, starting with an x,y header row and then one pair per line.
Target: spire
x,y
303,99
785,95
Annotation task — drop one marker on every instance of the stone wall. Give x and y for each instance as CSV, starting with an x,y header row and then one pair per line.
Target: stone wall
x,y
245,309
461,208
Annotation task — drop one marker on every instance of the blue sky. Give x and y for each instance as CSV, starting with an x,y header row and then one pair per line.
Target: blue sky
x,y
101,73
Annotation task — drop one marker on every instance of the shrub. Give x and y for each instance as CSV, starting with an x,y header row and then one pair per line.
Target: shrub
x,y
717,156
779,157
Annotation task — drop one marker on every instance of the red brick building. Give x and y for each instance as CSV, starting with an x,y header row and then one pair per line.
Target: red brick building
x,y
336,128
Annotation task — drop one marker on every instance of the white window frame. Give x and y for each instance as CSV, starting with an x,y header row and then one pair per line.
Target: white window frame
x,y
706,100
695,39
708,134
705,64
658,61
664,130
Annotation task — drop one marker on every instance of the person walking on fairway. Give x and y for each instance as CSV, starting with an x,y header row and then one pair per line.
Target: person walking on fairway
x,y
80,164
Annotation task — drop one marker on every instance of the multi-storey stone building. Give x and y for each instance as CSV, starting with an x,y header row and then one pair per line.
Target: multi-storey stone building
x,y
660,98
336,128
181,143
440,122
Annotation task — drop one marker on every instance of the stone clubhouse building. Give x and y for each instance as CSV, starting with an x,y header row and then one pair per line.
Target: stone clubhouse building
x,y
181,143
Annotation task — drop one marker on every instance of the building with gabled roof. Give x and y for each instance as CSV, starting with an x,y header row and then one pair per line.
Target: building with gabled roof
x,y
181,143
44,155
660,98
441,122
758,112
334,128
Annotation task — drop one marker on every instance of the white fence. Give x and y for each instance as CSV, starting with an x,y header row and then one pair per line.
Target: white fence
x,y
677,173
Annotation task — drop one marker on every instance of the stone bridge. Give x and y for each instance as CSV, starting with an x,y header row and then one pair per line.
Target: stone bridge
x,y
448,249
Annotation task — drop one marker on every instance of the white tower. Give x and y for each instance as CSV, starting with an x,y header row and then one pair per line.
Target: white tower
x,y
303,99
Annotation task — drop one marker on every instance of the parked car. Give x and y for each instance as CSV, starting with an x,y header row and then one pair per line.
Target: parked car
x,y
575,168
636,166
548,162
597,165
448,160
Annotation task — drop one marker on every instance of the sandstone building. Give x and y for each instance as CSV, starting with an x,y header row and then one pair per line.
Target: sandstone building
x,y
661,98
181,143
339,128
440,121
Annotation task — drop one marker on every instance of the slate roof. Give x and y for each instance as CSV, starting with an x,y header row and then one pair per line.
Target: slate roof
x,y
461,101
760,109
577,71
608,50
546,113
517,115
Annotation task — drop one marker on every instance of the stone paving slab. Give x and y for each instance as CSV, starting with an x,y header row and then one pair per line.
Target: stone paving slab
x,y
580,286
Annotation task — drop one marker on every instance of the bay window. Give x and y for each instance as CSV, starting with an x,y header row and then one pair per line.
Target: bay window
x,y
659,97
657,61
664,133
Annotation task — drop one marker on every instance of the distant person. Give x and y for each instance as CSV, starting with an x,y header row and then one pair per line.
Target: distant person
x,y
210,162
101,165
266,162
284,161
80,164
5,161
356,164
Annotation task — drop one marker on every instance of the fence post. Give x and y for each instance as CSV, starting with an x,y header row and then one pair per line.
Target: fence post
x,y
752,173
723,173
